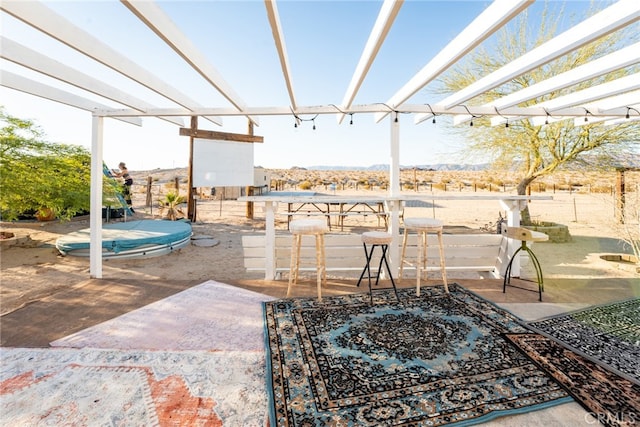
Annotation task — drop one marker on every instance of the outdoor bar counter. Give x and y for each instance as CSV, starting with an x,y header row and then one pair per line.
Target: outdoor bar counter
x,y
511,203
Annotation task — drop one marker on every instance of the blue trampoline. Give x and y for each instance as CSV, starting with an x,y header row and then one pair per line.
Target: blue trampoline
x,y
132,239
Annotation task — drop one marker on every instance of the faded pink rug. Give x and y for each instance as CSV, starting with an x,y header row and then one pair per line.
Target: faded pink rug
x,y
80,387
210,316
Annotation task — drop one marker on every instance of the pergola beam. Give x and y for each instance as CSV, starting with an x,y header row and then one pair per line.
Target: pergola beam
x,y
615,61
158,22
29,58
386,17
358,109
614,87
278,38
23,84
488,22
44,19
622,104
616,16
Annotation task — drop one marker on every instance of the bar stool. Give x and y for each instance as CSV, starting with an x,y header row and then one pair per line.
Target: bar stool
x,y
382,239
525,235
307,227
423,226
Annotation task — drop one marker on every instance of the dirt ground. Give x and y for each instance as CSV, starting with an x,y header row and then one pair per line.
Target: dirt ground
x,y
45,296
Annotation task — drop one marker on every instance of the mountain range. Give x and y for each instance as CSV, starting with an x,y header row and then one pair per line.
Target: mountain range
x,y
383,167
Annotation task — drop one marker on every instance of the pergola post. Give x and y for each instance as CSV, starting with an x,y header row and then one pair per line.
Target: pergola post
x,y
394,191
95,213
190,200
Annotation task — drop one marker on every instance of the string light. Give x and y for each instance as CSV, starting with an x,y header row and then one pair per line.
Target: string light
x,y
343,112
391,110
300,120
472,116
432,113
500,114
629,109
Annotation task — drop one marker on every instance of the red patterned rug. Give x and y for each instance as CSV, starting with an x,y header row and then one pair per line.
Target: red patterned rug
x,y
141,388
612,399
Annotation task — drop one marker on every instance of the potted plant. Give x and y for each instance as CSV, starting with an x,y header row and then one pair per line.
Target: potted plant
x,y
45,214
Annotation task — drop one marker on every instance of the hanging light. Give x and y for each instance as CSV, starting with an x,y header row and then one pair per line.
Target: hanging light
x,y
432,113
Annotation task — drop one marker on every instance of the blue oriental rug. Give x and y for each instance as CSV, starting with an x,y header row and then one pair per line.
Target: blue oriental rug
x,y
607,334
431,360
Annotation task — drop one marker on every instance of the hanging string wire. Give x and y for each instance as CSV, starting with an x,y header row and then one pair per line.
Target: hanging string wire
x,y
473,116
299,119
500,114
343,112
432,113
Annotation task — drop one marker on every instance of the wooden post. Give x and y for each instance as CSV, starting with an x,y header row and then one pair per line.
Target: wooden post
x,y
620,196
249,211
190,200
149,200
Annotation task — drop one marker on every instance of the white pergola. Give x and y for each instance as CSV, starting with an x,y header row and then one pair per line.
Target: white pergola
x,y
610,102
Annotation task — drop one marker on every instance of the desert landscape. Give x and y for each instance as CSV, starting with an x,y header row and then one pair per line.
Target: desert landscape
x,y
33,270
47,299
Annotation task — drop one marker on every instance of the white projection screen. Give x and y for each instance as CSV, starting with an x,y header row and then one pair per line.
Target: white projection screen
x,y
222,163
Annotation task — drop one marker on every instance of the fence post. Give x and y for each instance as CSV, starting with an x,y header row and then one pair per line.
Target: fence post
x,y
149,201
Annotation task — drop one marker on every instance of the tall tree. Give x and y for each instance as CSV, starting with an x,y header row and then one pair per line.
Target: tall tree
x,y
535,151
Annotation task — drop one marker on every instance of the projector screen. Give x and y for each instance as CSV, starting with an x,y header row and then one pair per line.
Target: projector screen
x,y
222,163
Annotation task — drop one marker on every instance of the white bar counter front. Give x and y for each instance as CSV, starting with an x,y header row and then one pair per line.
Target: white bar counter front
x,y
511,203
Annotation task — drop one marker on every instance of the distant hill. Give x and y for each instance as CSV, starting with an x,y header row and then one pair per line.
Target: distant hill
x,y
381,167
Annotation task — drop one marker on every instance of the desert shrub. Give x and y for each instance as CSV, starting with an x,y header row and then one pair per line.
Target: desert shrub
x,y
305,185
479,185
602,189
38,175
440,186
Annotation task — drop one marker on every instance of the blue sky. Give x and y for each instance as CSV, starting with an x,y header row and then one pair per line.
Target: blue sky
x,y
324,42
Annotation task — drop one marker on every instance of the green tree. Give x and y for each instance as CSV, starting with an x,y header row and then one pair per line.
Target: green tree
x,y
535,151
36,175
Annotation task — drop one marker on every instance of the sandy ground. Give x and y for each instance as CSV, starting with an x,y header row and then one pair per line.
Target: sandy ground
x,y
32,269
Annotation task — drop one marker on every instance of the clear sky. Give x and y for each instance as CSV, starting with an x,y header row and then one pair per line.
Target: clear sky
x,y
324,40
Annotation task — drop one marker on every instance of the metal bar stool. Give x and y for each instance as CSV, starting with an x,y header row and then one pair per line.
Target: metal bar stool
x,y
307,227
423,226
525,235
382,239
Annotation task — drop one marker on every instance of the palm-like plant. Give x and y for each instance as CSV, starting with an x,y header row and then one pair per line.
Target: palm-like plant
x,y
171,205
